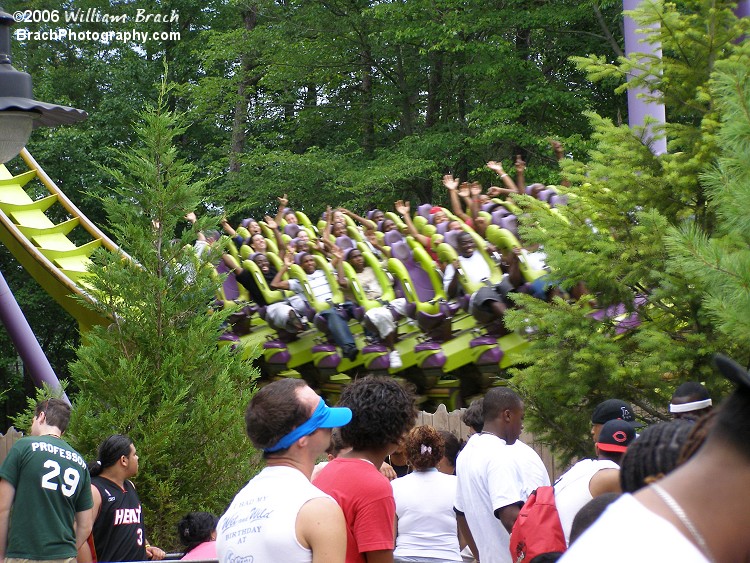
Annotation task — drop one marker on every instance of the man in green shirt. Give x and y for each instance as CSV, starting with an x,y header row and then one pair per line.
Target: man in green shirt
x,y
45,492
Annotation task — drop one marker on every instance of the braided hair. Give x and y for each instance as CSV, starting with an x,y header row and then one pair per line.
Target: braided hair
x,y
653,454
698,434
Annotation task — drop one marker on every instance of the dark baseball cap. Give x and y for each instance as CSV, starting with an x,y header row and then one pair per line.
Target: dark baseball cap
x,y
614,409
616,436
733,371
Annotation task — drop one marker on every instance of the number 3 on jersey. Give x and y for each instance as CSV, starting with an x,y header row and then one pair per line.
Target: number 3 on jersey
x,y
70,478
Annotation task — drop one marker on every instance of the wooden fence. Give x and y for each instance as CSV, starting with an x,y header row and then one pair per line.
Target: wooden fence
x,y
6,442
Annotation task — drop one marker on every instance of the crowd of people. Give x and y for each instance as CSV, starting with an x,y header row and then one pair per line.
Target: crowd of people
x,y
295,271
56,507
388,491
392,492
461,504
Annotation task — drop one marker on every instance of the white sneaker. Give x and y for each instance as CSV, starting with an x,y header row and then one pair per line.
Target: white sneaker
x,y
395,359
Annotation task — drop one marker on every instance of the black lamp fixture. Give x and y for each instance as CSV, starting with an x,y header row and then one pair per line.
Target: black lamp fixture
x,y
19,111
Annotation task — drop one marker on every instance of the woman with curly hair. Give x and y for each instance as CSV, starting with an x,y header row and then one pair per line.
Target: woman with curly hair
x,y
426,523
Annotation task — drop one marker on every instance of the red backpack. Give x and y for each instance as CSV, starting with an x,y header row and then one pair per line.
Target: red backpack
x,y
537,529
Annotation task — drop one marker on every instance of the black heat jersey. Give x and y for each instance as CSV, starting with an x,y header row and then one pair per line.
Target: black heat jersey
x,y
118,532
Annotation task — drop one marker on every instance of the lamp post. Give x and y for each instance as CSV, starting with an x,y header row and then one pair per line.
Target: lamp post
x,y
19,114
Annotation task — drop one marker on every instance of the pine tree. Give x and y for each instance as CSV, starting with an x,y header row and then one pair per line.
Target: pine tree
x,y
156,372
719,262
612,236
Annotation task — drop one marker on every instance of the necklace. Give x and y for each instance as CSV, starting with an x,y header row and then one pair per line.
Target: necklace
x,y
53,435
678,511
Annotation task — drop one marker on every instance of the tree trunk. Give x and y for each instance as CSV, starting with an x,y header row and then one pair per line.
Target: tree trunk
x,y
239,119
406,97
368,117
434,80
523,47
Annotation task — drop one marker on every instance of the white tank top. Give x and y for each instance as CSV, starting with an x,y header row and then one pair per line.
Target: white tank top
x,y
572,490
260,523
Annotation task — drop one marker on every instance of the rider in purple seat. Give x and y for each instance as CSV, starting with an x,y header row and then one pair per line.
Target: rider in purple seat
x,y
489,302
322,291
377,320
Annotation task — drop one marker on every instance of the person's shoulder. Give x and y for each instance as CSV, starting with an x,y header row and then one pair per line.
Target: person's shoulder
x,y
22,447
600,464
355,474
573,473
25,440
445,477
520,445
441,481
322,506
658,540
526,452
406,482
328,473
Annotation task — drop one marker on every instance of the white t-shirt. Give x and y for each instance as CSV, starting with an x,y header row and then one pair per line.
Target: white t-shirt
x,y
319,286
532,468
200,247
488,479
628,532
572,489
426,520
475,268
369,282
260,523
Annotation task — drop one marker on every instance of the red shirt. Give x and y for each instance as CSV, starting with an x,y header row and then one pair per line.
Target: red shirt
x,y
366,497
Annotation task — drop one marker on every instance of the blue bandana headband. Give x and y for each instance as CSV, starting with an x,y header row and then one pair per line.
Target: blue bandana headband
x,y
306,428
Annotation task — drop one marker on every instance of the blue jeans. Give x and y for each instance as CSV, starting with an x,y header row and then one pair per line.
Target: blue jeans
x,y
339,328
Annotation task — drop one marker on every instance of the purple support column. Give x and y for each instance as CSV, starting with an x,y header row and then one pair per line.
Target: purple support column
x,y
639,109
24,340
743,9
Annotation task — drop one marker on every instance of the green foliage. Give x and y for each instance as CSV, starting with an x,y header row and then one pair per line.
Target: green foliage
x,y
719,262
366,102
361,103
156,372
22,420
613,236
356,103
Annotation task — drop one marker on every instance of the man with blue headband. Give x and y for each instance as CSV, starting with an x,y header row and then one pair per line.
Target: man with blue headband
x,y
279,515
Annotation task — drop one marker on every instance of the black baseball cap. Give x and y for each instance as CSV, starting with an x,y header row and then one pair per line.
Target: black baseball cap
x,y
733,371
616,436
614,409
